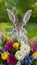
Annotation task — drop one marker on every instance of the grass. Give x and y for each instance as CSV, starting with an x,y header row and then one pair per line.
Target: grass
x,y
31,29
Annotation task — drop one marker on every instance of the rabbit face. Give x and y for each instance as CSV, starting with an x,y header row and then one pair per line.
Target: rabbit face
x,y
18,25
18,31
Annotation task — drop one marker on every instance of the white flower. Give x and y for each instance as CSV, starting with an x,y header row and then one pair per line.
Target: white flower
x,y
20,55
22,42
18,63
25,48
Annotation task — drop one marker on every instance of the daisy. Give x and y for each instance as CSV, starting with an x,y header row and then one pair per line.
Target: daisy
x,y
25,48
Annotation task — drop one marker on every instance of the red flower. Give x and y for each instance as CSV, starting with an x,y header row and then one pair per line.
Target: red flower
x,y
11,60
8,46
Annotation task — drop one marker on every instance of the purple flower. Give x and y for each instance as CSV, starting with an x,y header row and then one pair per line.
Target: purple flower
x,y
8,46
11,60
34,47
36,42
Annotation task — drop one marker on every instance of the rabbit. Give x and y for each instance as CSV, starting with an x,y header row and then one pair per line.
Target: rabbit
x,y
19,32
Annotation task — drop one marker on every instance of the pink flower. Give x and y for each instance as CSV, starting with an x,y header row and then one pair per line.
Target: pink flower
x,y
1,36
34,47
8,46
11,60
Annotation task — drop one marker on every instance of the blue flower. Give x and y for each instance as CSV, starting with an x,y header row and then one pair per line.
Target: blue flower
x,y
35,42
2,49
27,60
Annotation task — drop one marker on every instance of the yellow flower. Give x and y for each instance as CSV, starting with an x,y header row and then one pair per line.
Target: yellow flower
x,y
16,45
8,38
4,55
34,54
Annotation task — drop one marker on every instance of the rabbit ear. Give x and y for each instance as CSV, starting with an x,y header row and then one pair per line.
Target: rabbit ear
x,y
11,15
27,16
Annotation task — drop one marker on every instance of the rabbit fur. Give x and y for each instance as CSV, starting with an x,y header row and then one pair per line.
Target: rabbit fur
x,y
19,32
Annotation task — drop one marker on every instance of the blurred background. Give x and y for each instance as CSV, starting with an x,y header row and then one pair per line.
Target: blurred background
x,y
19,7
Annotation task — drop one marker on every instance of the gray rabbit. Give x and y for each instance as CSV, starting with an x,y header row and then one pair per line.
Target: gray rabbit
x,y
19,32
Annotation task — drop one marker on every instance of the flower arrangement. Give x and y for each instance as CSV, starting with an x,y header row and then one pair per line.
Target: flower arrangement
x,y
18,53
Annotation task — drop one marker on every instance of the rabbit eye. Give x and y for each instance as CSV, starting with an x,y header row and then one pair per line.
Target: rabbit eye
x,y
22,31
23,26
14,31
14,26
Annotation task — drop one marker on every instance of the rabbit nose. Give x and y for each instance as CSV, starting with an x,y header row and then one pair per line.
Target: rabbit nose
x,y
19,33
